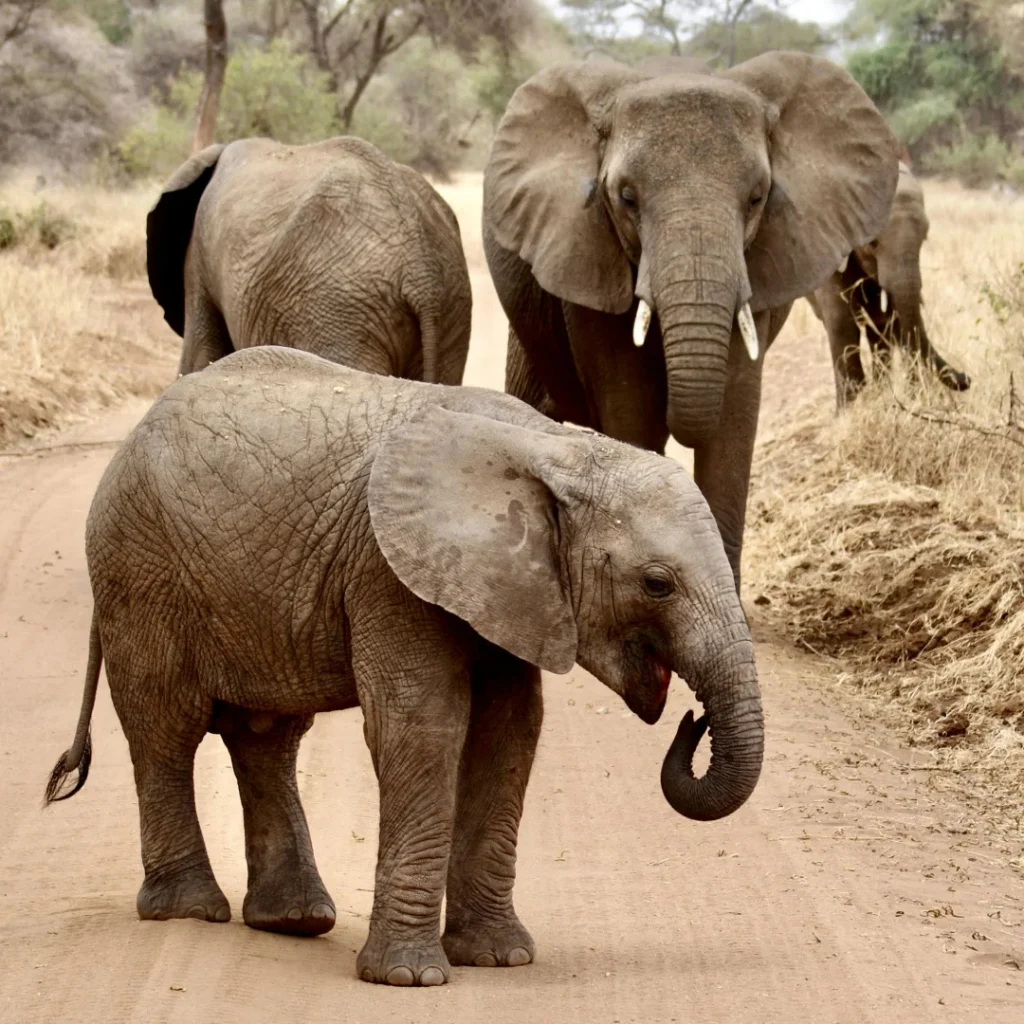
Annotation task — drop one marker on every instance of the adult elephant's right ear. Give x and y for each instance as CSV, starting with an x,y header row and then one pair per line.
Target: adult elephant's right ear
x,y
464,521
541,190
169,230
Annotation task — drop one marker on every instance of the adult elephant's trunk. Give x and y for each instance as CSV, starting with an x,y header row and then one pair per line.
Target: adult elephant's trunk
x,y
727,686
900,277
698,282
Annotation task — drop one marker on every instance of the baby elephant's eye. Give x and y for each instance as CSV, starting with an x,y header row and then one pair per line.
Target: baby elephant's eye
x,y
658,582
628,196
755,201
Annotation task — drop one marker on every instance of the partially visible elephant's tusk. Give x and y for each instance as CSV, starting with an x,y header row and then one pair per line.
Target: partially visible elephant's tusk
x,y
748,330
642,323
844,264
885,301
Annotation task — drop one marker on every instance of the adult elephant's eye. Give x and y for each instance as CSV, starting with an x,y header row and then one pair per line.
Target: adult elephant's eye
x,y
755,201
628,196
658,582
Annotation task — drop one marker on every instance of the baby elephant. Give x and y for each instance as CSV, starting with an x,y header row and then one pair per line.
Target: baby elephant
x,y
331,248
281,536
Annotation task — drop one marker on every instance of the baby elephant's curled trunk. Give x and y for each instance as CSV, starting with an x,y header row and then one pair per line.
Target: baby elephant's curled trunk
x,y
736,723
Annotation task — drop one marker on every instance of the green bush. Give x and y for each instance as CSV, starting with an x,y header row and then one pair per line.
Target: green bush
x,y
154,147
977,161
928,116
273,92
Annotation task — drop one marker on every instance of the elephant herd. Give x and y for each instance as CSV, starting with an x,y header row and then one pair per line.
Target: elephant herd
x,y
330,520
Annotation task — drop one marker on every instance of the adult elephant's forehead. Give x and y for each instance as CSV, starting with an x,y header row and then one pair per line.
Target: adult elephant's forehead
x,y
696,95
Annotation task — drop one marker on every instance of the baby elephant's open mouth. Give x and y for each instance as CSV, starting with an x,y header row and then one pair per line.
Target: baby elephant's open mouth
x,y
647,698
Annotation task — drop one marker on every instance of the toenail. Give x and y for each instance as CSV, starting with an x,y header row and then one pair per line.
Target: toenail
x,y
223,914
432,976
324,911
367,975
198,912
485,960
400,976
295,914
518,957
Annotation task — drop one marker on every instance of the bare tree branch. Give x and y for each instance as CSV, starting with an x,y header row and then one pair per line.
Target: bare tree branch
x,y
213,77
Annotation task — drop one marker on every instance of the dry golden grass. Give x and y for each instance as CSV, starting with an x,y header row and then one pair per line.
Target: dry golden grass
x,y
893,535
77,325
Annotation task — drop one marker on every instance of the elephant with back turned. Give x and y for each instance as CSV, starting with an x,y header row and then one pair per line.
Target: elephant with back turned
x,y
331,248
714,200
880,288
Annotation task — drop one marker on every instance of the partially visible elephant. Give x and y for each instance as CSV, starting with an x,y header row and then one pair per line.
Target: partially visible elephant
x,y
714,200
880,288
282,536
331,248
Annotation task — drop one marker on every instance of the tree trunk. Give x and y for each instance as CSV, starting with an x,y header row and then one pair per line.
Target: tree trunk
x,y
213,78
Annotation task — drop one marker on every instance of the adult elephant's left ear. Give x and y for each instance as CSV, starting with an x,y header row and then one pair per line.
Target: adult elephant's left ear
x,y
169,231
465,521
542,195
834,163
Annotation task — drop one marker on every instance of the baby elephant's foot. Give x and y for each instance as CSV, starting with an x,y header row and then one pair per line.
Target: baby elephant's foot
x,y
398,963
294,905
503,943
190,892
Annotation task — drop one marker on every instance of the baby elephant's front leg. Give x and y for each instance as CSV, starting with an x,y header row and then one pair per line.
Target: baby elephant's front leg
x,y
415,729
481,926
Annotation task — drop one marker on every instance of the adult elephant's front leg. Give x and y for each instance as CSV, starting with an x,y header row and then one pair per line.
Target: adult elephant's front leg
x,y
416,705
721,467
481,926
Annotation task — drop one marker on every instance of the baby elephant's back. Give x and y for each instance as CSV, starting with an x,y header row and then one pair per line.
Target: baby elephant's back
x,y
246,476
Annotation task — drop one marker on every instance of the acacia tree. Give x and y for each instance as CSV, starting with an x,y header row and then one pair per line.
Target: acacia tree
x,y
351,39
673,22
213,75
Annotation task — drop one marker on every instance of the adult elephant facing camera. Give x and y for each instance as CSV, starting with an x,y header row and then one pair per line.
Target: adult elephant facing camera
x,y
331,248
714,200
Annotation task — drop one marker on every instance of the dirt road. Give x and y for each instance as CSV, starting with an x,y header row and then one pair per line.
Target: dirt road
x,y
846,890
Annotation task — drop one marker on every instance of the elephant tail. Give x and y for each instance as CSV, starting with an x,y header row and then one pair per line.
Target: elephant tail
x,y
80,755
429,343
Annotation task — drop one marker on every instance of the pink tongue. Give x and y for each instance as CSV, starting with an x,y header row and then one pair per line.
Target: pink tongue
x,y
664,677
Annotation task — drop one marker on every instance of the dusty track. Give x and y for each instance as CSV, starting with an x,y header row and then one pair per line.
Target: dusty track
x,y
843,892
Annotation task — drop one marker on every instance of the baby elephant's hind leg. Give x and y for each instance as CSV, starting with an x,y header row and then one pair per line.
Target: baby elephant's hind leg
x,y
285,893
163,740
481,926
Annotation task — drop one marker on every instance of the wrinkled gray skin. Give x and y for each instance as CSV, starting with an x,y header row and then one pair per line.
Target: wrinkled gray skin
x,y
331,248
281,536
891,262
696,193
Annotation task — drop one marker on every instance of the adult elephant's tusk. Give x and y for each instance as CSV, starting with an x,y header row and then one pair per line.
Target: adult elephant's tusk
x,y
642,323
885,301
844,264
748,330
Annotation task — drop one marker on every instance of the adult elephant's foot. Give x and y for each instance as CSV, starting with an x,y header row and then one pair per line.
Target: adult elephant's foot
x,y
182,892
503,943
293,902
400,963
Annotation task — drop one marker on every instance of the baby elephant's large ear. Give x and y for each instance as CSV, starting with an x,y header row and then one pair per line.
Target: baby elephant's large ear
x,y
466,524
542,196
834,169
